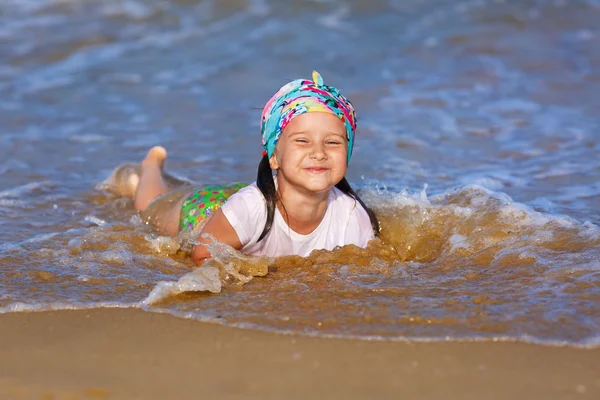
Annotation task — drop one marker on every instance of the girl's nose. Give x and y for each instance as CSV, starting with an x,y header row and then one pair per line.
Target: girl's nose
x,y
318,152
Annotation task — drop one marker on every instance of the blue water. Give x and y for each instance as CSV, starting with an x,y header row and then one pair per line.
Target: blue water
x,y
478,147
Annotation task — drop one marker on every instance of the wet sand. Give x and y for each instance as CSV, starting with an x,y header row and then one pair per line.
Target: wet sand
x,y
132,354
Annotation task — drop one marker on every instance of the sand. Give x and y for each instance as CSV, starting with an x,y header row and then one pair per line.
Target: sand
x,y
133,354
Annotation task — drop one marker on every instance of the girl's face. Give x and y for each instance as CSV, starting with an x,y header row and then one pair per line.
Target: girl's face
x,y
311,153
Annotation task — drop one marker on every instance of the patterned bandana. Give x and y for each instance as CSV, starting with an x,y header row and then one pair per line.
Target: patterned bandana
x,y
300,97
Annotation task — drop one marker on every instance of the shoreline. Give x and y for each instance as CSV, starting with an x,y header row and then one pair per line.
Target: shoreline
x,y
123,353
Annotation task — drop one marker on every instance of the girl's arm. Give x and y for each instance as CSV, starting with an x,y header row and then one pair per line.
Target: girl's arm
x,y
219,227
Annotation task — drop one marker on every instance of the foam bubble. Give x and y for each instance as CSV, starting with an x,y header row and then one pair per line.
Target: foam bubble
x,y
200,280
163,244
458,241
94,220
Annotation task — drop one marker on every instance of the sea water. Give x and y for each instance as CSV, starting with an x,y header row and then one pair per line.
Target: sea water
x,y
478,148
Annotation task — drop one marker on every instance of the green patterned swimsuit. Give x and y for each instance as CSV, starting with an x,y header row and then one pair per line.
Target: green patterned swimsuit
x,y
203,202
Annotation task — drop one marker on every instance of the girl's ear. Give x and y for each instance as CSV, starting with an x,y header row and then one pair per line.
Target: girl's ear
x,y
273,162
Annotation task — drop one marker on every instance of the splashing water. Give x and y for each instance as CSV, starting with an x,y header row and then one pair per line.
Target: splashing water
x,y
477,148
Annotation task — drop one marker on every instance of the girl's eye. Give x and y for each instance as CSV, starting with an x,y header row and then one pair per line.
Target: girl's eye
x,y
301,140
333,142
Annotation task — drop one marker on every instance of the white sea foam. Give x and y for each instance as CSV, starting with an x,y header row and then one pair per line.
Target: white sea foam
x,y
203,279
59,305
94,220
384,198
27,188
163,244
483,180
457,241
462,212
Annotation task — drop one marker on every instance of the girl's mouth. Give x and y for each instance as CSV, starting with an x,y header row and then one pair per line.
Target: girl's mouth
x,y
315,170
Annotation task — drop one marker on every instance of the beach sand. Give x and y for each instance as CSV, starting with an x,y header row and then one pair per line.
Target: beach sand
x,y
133,354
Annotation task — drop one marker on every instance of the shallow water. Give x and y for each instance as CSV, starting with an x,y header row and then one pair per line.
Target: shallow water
x,y
478,147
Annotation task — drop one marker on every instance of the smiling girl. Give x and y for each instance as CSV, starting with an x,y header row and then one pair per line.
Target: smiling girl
x,y
301,200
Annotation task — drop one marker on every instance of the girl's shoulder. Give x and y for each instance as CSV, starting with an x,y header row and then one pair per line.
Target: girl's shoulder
x,y
250,192
249,197
246,210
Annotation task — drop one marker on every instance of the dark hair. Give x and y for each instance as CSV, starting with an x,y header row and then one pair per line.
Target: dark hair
x,y
266,184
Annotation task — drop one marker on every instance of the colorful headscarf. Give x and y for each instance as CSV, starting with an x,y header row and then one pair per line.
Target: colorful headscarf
x,y
299,97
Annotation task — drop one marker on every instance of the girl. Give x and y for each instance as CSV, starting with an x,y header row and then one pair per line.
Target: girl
x,y
308,135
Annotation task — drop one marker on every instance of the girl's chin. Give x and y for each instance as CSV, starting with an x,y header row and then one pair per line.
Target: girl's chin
x,y
317,187
315,184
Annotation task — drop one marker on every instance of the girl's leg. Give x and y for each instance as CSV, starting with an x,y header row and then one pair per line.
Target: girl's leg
x,y
158,203
151,183
164,212
124,180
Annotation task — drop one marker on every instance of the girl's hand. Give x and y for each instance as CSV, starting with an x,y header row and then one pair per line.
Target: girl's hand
x,y
219,227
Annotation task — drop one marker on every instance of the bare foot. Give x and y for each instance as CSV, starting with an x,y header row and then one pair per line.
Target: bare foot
x,y
152,183
156,156
124,180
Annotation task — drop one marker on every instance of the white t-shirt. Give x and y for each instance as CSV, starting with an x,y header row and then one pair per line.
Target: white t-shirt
x,y
345,222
